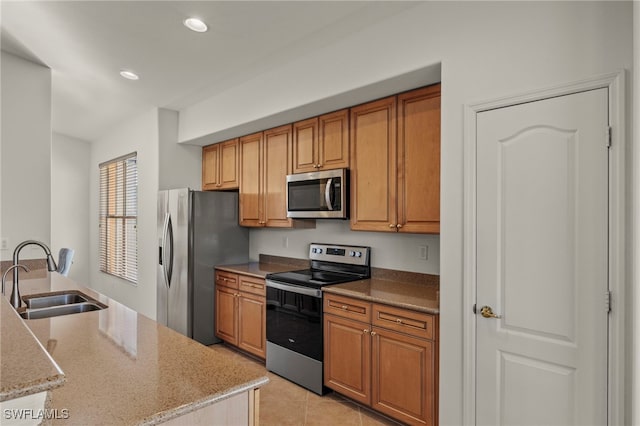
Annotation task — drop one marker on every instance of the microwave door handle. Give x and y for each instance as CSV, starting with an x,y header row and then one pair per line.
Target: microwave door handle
x,y
327,194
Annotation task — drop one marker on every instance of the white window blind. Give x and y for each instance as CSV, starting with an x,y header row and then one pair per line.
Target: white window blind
x,y
119,217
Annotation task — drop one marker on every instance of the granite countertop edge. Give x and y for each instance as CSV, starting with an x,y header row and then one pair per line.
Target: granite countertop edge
x,y
165,416
44,383
339,290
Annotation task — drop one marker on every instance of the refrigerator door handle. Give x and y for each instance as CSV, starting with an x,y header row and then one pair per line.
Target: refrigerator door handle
x,y
163,249
169,267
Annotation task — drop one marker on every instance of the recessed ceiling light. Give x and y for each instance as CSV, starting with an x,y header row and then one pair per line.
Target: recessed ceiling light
x,y
130,75
195,24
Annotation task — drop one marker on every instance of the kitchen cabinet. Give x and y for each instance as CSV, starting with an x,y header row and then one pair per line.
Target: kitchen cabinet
x,y
241,312
265,162
395,163
220,166
321,143
382,356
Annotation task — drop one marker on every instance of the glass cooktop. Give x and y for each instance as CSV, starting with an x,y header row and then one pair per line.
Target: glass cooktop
x,y
312,277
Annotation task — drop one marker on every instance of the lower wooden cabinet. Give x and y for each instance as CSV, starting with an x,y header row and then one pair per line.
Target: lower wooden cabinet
x,y
240,317
387,361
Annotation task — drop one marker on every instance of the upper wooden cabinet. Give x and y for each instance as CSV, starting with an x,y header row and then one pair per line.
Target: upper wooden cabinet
x,y
321,143
220,166
264,166
395,163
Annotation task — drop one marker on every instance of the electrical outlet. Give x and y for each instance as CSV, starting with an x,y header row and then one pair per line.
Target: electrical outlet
x,y
423,252
285,242
4,244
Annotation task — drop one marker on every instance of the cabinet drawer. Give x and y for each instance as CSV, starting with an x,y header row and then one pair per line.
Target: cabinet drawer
x,y
226,279
405,321
347,307
252,285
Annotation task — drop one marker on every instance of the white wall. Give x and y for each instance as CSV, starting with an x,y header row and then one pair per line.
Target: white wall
x,y
25,195
487,50
391,251
180,165
138,134
70,160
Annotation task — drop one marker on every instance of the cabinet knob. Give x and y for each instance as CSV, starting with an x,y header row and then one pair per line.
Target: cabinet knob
x,y
373,333
344,307
365,331
391,225
398,226
398,320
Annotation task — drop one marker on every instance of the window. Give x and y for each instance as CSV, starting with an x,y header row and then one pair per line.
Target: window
x,y
119,217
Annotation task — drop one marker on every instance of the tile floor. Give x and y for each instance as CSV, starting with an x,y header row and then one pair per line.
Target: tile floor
x,y
283,403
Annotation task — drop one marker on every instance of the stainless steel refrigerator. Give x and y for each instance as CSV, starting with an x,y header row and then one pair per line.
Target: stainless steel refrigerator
x,y
196,231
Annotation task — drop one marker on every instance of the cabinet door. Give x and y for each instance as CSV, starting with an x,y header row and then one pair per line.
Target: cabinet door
x,y
277,165
373,166
252,319
333,140
210,176
229,165
251,180
305,146
347,357
403,381
226,315
419,160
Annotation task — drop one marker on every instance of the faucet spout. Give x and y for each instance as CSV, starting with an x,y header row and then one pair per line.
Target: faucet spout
x,y
16,301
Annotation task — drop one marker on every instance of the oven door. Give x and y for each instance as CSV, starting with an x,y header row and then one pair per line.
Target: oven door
x,y
318,194
294,318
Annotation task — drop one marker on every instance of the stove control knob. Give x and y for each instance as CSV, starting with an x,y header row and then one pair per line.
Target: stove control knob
x,y
352,253
319,251
316,250
358,254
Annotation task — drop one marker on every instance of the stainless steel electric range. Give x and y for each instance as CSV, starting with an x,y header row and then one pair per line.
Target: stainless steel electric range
x,y
294,311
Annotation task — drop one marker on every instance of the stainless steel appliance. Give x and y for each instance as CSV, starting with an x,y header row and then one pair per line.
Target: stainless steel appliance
x,y
196,231
323,194
294,311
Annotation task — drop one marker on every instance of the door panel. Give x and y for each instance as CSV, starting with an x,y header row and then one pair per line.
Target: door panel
x,y
373,166
542,238
251,180
277,165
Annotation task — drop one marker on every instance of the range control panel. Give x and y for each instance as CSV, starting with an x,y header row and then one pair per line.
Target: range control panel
x,y
353,255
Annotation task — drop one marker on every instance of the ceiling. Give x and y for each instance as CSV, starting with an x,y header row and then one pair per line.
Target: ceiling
x,y
87,43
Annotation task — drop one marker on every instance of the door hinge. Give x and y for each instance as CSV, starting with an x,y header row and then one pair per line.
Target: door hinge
x,y
609,137
607,300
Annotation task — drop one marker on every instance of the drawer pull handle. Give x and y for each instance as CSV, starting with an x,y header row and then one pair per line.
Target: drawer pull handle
x,y
398,320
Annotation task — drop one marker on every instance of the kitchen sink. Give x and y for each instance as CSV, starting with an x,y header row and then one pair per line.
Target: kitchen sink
x,y
56,299
58,303
55,311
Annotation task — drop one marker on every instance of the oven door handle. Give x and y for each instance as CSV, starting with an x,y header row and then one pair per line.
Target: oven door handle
x,y
308,291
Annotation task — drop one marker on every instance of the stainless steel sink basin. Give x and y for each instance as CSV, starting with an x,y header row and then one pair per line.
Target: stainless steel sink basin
x,y
58,303
57,299
54,311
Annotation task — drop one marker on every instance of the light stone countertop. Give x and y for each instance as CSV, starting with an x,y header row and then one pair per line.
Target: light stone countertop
x,y
418,297
120,366
25,366
420,292
258,269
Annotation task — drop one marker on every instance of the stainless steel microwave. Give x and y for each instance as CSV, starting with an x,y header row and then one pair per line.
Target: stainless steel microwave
x,y
321,195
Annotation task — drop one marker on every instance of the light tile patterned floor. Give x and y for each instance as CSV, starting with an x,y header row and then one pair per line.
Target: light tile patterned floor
x,y
283,403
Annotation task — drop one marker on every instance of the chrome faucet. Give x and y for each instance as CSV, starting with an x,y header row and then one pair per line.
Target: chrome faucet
x,y
4,277
15,299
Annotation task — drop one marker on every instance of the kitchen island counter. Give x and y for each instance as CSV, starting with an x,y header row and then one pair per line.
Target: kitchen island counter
x,y
124,368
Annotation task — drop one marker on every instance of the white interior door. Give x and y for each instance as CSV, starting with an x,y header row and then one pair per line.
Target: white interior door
x,y
542,259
